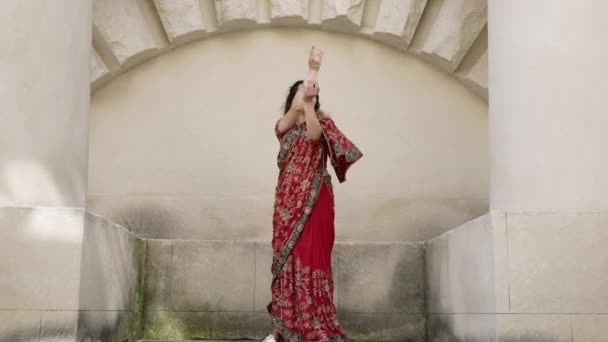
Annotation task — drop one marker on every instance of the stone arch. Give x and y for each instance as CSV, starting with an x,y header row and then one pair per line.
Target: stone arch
x,y
451,35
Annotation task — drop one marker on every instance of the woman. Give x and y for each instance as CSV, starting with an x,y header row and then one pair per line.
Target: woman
x,y
302,306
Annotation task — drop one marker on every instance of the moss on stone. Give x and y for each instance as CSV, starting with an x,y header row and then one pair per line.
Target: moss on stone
x,y
177,325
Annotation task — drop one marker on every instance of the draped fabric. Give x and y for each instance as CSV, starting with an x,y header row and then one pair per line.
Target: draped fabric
x,y
302,306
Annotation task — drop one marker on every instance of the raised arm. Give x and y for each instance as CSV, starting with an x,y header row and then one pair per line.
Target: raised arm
x,y
311,90
288,120
306,106
312,120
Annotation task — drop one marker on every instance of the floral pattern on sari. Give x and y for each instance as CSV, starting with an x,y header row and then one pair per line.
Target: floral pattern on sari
x,y
302,162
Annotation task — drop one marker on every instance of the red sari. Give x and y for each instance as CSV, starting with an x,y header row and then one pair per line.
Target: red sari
x,y
302,306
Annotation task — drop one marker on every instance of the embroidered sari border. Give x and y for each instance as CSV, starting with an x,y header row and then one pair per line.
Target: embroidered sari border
x,y
292,336
287,142
295,234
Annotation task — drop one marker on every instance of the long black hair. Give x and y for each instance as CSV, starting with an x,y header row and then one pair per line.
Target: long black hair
x,y
292,93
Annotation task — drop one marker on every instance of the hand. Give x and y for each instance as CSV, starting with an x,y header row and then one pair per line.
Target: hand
x,y
314,58
311,90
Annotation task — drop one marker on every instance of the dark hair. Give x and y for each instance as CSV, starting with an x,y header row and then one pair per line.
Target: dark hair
x,y
292,93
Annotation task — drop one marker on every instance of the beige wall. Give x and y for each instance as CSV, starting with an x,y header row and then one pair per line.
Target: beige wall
x,y
183,147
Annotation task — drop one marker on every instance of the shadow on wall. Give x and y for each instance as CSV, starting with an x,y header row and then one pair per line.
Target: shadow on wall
x,y
111,283
147,219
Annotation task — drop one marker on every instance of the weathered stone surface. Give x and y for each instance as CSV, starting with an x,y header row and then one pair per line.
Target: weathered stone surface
x,y
292,11
476,77
361,326
177,325
59,326
397,21
186,217
456,27
158,274
109,266
589,328
462,327
466,268
19,326
124,29
558,262
213,275
536,328
73,326
233,325
514,327
498,221
113,326
389,274
236,13
343,14
98,67
35,241
403,327
479,72
263,274
180,17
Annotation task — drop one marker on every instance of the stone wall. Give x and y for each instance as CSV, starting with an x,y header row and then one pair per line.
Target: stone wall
x,y
219,289
68,275
519,277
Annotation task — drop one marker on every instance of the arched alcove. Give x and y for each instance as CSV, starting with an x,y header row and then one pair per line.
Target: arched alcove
x,y
182,146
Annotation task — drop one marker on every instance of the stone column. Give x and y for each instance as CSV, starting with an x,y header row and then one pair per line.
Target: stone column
x,y
44,94
548,113
534,268
548,129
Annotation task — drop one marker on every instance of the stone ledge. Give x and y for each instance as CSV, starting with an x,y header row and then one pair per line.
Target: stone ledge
x,y
132,34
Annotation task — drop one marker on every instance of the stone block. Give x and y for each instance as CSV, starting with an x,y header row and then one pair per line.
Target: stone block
x,y
158,274
68,326
361,327
461,327
466,268
213,275
403,327
558,262
123,27
236,14
587,328
389,274
59,326
19,326
177,325
534,328
40,258
343,15
240,325
289,11
477,76
110,257
263,274
180,17
397,21
98,68
456,27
